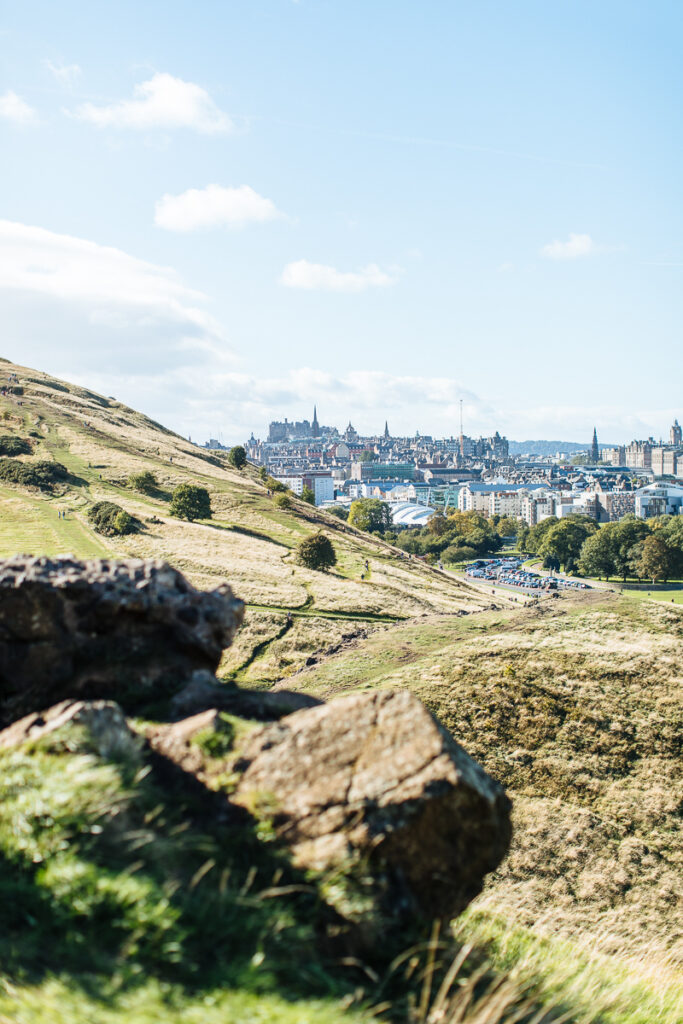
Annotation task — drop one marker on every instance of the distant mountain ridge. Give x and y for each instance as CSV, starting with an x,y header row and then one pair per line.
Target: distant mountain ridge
x,y
548,447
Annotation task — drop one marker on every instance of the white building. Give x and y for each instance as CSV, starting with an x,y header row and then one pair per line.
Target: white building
x,y
659,500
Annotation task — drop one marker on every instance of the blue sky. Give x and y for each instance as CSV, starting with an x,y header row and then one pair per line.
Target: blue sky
x,y
221,212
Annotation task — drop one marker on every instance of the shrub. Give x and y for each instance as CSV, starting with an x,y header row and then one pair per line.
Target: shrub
x,y
316,552
11,445
33,474
282,501
145,482
111,520
190,502
237,457
263,473
308,496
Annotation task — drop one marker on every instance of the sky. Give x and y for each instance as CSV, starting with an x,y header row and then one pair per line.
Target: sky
x,y
222,212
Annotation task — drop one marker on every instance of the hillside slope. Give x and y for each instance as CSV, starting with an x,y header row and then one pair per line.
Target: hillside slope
x,y
249,541
575,706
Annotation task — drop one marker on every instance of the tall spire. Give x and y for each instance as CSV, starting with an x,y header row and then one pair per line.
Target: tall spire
x,y
387,435
315,428
595,451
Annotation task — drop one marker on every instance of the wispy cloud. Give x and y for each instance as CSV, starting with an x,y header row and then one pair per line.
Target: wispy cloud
x,y
65,74
112,307
161,102
319,277
14,108
575,247
213,206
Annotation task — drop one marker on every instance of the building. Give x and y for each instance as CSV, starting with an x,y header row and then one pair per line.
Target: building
x,y
318,481
639,454
676,434
665,460
658,500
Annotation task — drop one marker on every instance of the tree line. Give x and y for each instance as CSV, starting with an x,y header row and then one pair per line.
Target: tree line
x,y
649,549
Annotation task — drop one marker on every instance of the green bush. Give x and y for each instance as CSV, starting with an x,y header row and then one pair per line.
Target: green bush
x,y
111,520
237,457
145,482
190,502
282,501
11,445
316,552
308,496
33,474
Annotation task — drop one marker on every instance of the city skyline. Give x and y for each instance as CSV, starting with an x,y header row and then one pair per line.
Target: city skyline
x,y
218,222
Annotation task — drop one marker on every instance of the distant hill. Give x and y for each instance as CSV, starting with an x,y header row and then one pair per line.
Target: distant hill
x,y
547,447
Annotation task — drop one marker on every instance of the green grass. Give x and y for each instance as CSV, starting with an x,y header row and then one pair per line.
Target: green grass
x,y
31,526
599,989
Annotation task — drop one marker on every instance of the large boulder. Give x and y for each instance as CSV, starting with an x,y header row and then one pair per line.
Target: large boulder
x,y
129,630
373,787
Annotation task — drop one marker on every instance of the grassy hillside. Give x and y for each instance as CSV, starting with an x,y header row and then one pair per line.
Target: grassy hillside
x,y
574,704
576,707
249,541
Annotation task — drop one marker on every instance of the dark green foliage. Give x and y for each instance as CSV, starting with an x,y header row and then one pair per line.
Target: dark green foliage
x,y
190,502
457,537
308,496
340,511
370,514
111,520
263,473
282,501
237,457
316,552
145,482
43,475
11,445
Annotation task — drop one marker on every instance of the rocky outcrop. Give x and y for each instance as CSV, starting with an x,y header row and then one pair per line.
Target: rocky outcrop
x,y
129,630
374,780
108,732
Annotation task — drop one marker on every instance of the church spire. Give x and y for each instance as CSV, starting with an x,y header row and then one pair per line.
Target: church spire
x,y
315,427
387,435
595,451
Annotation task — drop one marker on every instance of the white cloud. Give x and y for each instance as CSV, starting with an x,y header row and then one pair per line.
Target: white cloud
x,y
107,307
318,277
576,246
213,206
66,74
13,108
161,102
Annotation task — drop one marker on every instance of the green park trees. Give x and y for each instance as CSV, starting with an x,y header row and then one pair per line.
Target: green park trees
x,y
190,502
370,514
565,538
308,495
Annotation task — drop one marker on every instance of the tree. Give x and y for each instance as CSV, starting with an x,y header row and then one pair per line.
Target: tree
x,y
565,539
656,559
263,473
282,500
237,457
308,495
144,482
316,552
367,456
190,502
627,537
438,524
597,554
340,511
370,514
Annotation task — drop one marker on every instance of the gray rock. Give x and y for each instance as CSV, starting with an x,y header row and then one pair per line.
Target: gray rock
x,y
129,630
372,781
103,721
